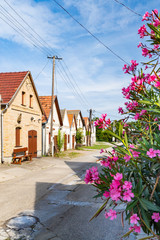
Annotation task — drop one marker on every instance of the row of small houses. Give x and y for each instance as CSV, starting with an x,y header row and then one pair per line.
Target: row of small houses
x,y
25,119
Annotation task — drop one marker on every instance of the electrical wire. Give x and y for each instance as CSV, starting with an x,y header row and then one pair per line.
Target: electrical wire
x,y
21,34
68,84
72,84
140,15
76,83
41,70
44,42
90,32
40,42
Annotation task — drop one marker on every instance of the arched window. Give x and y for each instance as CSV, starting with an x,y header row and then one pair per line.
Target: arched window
x,y
18,133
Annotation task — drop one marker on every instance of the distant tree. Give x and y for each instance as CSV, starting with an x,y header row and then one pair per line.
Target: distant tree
x,y
79,136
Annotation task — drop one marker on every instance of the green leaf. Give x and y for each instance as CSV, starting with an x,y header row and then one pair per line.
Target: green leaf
x,y
153,28
114,135
145,218
120,130
149,205
100,210
131,205
127,234
126,139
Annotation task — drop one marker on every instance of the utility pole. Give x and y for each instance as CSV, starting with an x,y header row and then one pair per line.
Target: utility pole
x,y
52,101
90,121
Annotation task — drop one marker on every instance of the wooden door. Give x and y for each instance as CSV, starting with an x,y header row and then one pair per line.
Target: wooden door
x,y
73,139
65,142
32,143
55,144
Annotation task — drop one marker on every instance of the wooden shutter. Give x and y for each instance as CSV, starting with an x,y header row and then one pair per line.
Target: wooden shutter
x,y
18,136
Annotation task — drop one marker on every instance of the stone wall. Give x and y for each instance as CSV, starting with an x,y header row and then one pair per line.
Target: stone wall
x,y
23,116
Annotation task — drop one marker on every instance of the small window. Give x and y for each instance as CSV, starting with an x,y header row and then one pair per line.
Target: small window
x,y
18,133
68,138
31,101
23,98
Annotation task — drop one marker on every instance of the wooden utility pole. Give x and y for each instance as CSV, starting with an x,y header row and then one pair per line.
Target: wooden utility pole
x,y
90,123
52,102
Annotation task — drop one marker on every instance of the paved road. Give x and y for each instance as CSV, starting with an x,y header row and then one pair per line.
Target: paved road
x,y
52,193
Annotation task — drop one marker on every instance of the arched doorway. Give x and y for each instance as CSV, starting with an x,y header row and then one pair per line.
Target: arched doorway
x,y
32,143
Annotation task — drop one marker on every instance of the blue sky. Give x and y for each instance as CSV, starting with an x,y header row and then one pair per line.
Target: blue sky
x,y
97,72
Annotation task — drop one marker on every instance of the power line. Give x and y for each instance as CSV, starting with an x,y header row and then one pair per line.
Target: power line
x,y
35,37
28,25
90,32
76,83
21,34
73,85
61,73
140,15
23,31
41,70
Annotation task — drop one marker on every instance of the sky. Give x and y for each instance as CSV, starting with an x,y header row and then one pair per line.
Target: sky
x,y
89,76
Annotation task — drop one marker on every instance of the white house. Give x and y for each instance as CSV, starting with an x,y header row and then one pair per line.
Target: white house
x,y
66,129
46,123
80,122
73,129
93,131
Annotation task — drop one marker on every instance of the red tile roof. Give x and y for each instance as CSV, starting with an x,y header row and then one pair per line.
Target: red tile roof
x,y
70,118
46,105
86,120
9,83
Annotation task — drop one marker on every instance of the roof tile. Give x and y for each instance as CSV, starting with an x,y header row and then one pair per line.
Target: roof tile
x,y
9,83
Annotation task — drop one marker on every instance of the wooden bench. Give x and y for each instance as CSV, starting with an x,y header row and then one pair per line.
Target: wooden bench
x,y
20,154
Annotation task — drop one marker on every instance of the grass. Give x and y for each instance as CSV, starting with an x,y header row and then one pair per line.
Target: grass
x,y
96,146
67,154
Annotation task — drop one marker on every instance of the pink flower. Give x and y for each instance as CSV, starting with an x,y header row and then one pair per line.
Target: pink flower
x,y
120,110
156,46
112,214
127,185
134,218
131,146
115,194
157,84
135,153
158,152
127,196
146,16
118,176
127,158
115,158
151,153
143,112
136,228
106,194
101,151
139,45
156,217
159,127
91,175
142,31
137,116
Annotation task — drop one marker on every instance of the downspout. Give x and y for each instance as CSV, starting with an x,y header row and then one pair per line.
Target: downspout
x,y
2,113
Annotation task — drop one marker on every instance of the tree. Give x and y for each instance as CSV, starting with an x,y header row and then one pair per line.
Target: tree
x,y
79,136
130,173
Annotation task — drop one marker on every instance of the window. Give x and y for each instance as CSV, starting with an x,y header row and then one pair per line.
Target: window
x,y
68,138
30,101
23,98
18,131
